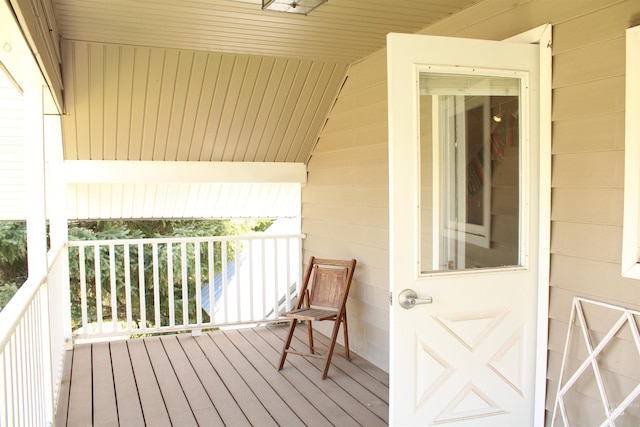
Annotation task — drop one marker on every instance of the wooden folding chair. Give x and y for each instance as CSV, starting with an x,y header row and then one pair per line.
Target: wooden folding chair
x,y
323,297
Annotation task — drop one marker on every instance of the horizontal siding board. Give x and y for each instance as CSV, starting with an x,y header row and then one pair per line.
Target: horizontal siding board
x,y
594,279
366,156
607,20
587,205
589,134
591,63
499,20
592,98
594,242
588,170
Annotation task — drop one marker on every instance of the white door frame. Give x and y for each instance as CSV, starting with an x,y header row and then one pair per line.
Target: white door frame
x,y
542,35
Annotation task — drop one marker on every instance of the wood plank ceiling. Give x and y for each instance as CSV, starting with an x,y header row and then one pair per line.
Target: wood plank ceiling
x,y
215,80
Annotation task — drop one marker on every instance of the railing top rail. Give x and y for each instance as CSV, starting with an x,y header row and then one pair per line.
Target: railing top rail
x,y
12,313
146,241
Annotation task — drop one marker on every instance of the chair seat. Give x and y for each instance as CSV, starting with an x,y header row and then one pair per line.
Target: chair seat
x,y
311,314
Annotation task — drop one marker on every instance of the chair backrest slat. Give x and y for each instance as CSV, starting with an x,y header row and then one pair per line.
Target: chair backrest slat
x,y
328,287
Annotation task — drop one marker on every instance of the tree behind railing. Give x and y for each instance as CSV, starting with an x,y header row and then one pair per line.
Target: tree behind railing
x,y
142,286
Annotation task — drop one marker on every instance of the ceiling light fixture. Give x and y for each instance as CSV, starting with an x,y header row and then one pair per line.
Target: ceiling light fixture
x,y
301,7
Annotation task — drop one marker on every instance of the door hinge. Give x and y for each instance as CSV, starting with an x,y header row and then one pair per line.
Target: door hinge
x,y
391,298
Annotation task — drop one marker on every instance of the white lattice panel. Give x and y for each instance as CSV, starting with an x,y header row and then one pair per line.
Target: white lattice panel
x,y
596,352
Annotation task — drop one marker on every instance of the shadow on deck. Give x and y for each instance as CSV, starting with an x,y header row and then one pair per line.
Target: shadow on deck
x,y
218,378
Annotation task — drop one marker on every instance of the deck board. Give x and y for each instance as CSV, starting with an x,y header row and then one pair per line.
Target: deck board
x,y
104,395
222,399
312,368
243,395
332,412
195,393
129,408
284,389
218,378
80,394
174,398
149,393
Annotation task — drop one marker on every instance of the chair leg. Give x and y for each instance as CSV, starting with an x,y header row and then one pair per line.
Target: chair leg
x,y
287,343
310,333
346,337
334,336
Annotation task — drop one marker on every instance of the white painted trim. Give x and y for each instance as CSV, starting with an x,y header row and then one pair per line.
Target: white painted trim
x,y
630,229
542,35
156,172
18,59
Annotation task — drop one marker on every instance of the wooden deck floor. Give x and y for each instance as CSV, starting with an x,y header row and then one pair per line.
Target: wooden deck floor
x,y
219,378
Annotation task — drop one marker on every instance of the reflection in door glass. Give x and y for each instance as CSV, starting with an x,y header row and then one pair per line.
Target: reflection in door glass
x,y
469,169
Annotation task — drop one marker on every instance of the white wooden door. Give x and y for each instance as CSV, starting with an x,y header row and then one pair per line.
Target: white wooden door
x,y
464,162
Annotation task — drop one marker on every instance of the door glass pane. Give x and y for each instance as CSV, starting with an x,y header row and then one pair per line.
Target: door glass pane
x,y
469,172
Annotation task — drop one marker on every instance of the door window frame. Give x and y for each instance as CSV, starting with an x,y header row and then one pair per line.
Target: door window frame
x,y
443,222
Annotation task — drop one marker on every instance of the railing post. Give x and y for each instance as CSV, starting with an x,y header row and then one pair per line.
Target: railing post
x,y
58,227
36,221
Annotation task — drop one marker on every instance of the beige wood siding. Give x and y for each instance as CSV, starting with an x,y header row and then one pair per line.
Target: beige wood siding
x,y
587,167
345,203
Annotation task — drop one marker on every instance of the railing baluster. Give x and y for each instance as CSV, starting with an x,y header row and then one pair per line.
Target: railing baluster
x,y
14,374
264,284
239,291
83,289
156,286
276,269
4,395
127,285
185,283
98,276
21,375
287,282
142,287
112,274
172,308
250,245
198,279
223,256
212,282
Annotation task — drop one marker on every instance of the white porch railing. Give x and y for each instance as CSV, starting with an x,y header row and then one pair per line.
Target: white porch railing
x,y
142,286
32,344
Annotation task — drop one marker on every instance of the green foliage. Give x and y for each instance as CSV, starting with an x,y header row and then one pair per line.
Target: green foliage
x,y
13,263
13,259
157,286
6,293
13,252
